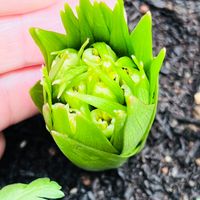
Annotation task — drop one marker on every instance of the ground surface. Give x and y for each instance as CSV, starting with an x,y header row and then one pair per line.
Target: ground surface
x,y
169,165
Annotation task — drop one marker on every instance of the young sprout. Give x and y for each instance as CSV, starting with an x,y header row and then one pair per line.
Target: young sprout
x,y
99,90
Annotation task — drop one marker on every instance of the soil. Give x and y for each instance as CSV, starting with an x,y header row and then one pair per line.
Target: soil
x,y
168,168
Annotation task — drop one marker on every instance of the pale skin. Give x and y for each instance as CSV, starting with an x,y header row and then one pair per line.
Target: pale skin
x,y
20,59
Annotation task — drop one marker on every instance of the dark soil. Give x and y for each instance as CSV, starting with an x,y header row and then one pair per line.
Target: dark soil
x,y
169,165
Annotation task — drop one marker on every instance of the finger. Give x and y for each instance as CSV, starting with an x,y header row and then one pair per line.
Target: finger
x,y
2,144
13,7
17,47
15,102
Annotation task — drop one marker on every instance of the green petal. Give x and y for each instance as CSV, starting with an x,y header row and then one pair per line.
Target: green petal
x,y
104,51
88,134
36,93
57,67
154,73
69,76
60,119
138,119
141,38
101,32
46,111
47,89
87,157
85,20
48,42
136,80
143,141
107,14
118,135
112,85
119,38
126,62
108,106
71,25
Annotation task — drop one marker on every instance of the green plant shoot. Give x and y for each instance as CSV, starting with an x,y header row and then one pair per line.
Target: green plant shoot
x,y
99,89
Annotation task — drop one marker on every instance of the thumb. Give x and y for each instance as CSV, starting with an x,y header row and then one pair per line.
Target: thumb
x,y
16,104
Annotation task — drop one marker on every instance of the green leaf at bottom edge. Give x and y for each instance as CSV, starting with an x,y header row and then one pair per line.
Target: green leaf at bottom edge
x,y
38,189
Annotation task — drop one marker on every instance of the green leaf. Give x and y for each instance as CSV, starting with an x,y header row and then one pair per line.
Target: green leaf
x,y
47,89
154,100
48,42
85,20
143,141
71,25
135,79
36,93
154,73
138,118
106,105
118,135
70,75
111,84
57,67
105,52
101,32
39,189
87,10
107,14
119,38
141,39
88,134
60,119
87,157
46,111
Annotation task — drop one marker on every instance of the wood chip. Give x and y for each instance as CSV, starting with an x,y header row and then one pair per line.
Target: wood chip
x,y
197,98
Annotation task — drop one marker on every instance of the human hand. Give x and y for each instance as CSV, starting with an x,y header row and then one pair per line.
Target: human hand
x,y
20,58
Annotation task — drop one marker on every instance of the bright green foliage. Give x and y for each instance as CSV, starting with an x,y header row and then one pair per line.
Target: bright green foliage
x,y
99,90
39,189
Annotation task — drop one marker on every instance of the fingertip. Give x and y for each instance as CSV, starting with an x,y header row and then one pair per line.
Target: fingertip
x,y
14,7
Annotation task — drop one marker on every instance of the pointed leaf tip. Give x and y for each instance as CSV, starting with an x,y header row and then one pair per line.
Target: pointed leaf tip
x,y
148,13
141,38
164,50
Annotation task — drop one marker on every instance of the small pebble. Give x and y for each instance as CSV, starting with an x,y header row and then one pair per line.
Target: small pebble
x,y
86,180
196,112
175,172
73,190
197,98
165,170
168,159
193,127
144,8
129,192
52,151
191,144
191,183
197,161
23,144
174,123
91,195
